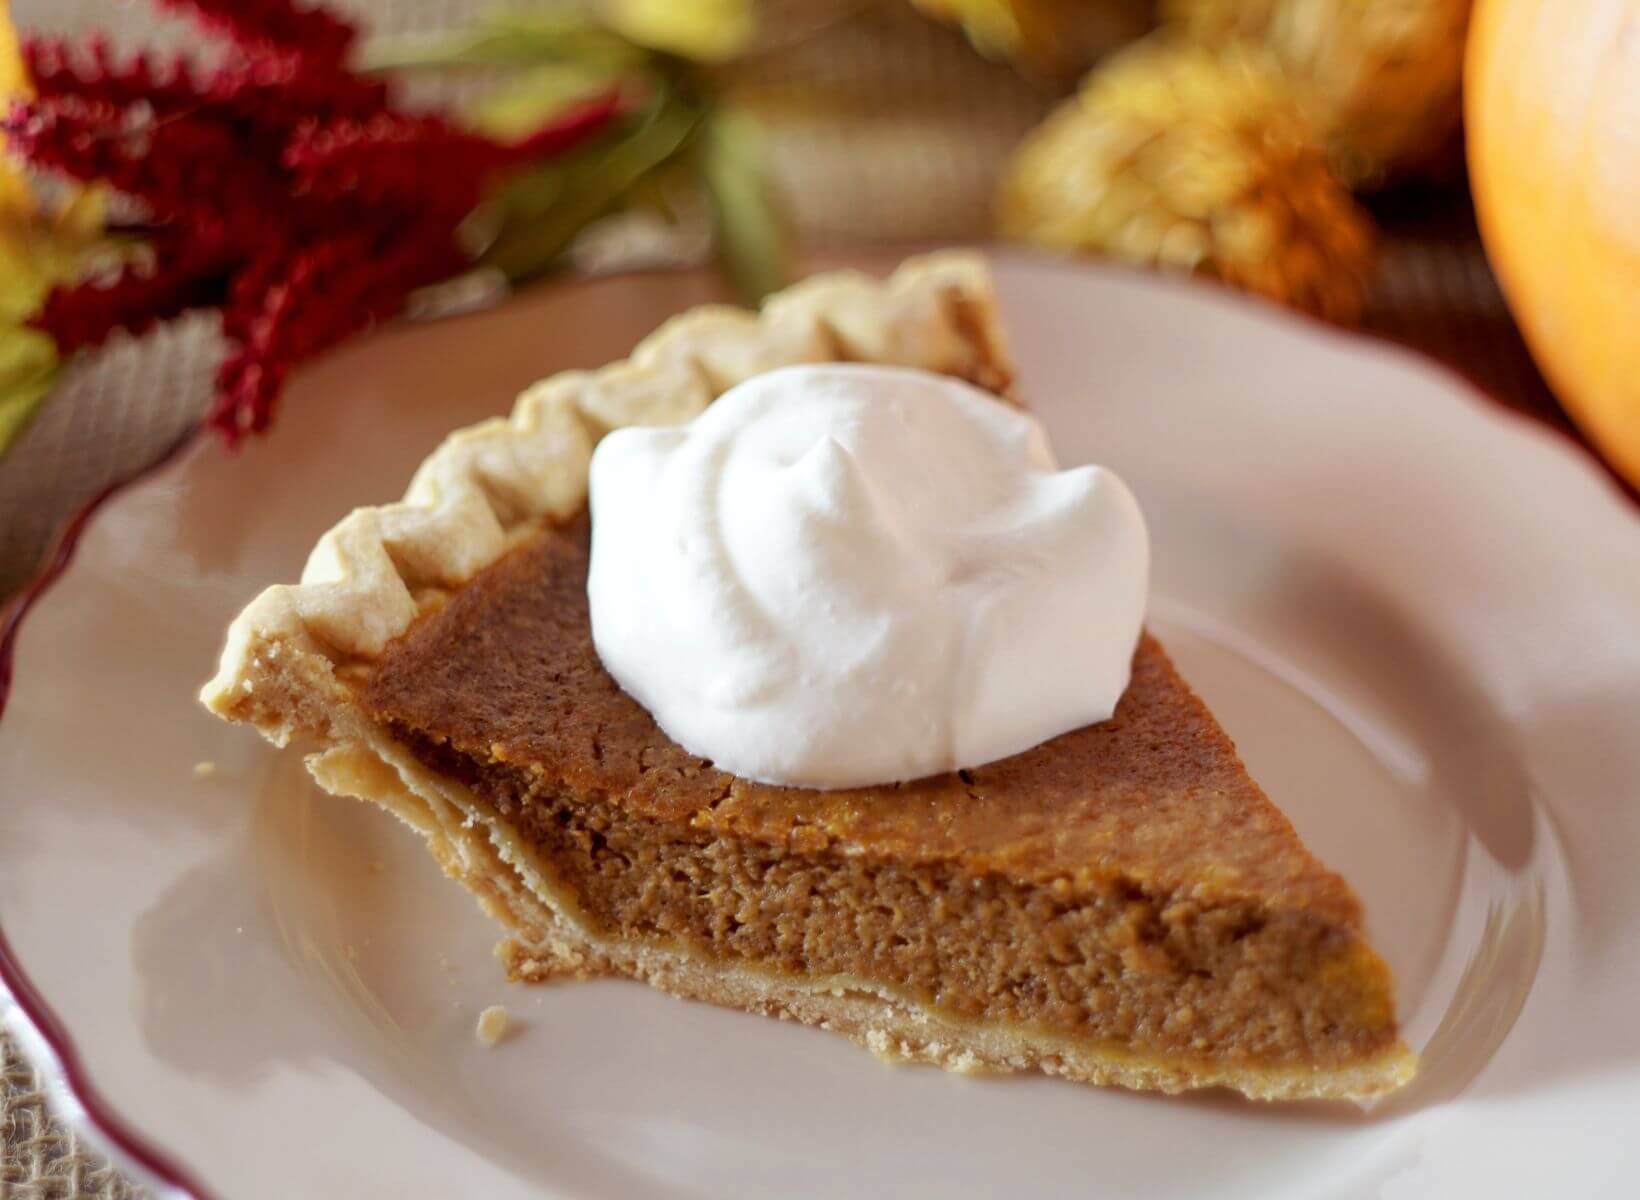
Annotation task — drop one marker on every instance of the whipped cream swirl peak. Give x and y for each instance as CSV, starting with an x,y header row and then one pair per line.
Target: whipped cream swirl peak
x,y
844,575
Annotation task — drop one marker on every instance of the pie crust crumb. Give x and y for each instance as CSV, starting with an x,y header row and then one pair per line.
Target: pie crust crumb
x,y
492,1024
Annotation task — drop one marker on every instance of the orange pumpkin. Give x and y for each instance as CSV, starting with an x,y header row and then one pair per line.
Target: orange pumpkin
x,y
1552,112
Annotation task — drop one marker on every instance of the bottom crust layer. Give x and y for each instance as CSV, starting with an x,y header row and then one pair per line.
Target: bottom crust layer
x,y
900,1032
550,940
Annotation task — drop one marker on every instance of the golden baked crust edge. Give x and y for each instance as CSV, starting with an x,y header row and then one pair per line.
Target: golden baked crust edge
x,y
490,484
288,654
550,939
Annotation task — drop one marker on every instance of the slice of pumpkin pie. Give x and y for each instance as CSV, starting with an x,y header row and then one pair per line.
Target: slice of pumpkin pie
x,y
1118,903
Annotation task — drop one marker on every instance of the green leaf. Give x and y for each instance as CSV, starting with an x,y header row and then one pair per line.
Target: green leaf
x,y
753,241
525,104
28,370
536,214
708,31
558,34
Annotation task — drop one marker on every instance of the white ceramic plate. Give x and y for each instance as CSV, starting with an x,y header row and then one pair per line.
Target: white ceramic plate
x,y
1418,616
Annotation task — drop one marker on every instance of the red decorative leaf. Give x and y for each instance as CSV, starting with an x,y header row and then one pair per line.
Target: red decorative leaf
x,y
319,34
287,190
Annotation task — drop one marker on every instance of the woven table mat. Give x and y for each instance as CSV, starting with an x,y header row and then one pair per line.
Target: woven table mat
x,y
882,126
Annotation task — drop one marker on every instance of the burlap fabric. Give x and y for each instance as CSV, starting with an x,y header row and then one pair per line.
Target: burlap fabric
x,y
882,126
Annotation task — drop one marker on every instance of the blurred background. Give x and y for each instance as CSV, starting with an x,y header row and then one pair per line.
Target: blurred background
x,y
199,195
1307,151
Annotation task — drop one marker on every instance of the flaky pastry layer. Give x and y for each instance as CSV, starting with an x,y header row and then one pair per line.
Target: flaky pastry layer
x,y
489,485
551,939
294,654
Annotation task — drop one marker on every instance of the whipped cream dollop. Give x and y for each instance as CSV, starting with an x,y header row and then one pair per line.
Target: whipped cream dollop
x,y
845,575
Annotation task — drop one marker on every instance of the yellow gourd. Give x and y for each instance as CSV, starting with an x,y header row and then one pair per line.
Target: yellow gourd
x,y
1552,112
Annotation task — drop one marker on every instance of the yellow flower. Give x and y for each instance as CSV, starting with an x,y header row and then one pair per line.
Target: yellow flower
x,y
704,30
1053,37
20,289
1387,72
999,28
13,83
1197,161
37,251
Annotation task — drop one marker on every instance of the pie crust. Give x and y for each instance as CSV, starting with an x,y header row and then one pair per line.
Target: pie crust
x,y
296,656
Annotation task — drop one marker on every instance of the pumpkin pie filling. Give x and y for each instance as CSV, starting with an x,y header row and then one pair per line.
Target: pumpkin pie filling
x,y
1125,882
1118,904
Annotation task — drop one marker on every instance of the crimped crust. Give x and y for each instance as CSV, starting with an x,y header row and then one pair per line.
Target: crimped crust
x,y
295,654
487,486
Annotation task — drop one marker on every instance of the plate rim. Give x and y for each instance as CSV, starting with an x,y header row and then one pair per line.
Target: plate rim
x,y
71,1089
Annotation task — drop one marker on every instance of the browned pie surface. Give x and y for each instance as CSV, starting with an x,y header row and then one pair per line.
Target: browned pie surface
x,y
1126,882
1121,904
1157,793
